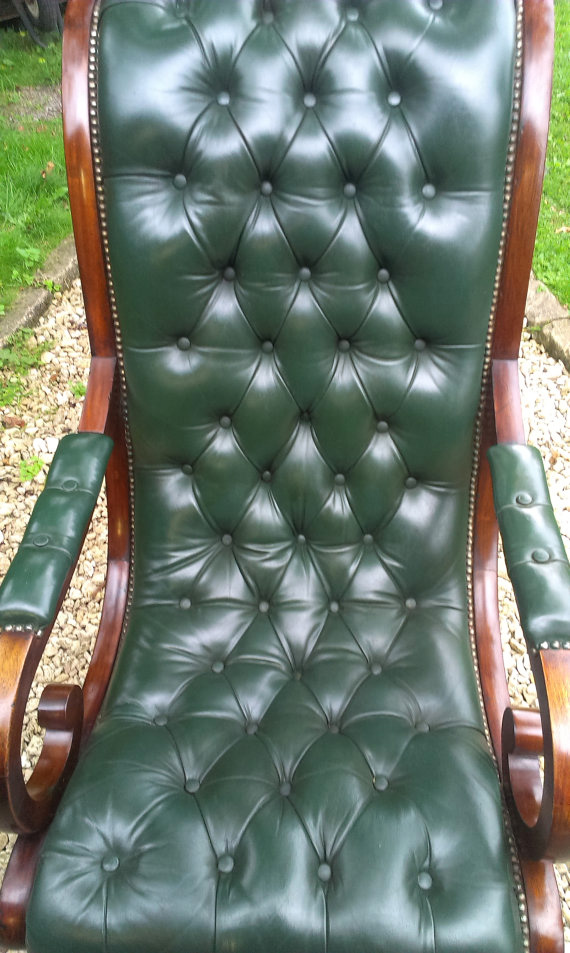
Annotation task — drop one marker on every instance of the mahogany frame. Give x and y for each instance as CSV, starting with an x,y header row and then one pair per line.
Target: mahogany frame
x,y
540,813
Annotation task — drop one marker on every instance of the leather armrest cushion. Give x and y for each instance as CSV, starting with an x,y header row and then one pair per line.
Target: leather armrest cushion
x,y
534,552
33,584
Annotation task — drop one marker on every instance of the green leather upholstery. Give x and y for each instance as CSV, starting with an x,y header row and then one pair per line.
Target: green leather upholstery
x,y
534,551
304,203
33,584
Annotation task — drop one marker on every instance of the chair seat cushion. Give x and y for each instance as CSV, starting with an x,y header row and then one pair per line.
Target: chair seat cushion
x,y
267,808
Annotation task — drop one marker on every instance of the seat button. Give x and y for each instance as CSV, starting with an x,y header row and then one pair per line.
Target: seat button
x,y
334,729
264,606
301,538
350,190
324,873
298,675
367,539
310,100
227,539
423,727
383,276
183,344
192,785
266,476
382,426
411,483
268,17
351,13
435,4
110,863
285,789
188,469
179,181
223,98
251,727
41,540
229,273
394,98
340,479
225,864
540,556
524,499
424,880
428,191
69,485
304,274
267,347
381,783
344,345
420,344
218,667
266,188
334,606
376,668
225,422
410,604
185,602
160,720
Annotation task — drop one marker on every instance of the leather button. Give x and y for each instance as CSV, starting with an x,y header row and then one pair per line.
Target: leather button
x,y
264,606
344,345
420,344
267,347
424,880
410,483
376,668
310,100
394,98
41,540
305,416
223,98
334,606
298,675
382,426
251,727
185,603
351,13
160,720
225,864
268,17
192,785
225,422
229,273
218,667
110,863
340,479
334,729
540,556
266,476
410,604
381,783
383,276
324,873
428,191
422,727
285,789
524,499
69,485
227,539
304,274
187,469
350,190
179,181
367,539
301,538
183,344
435,4
266,188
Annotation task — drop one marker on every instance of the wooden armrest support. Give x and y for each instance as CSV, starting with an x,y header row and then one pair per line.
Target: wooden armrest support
x,y
541,809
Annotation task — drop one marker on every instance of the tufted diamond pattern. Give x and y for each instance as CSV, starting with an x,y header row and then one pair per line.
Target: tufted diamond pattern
x,y
304,203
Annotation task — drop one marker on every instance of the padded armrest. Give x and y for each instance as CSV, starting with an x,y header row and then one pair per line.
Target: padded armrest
x,y
534,551
33,584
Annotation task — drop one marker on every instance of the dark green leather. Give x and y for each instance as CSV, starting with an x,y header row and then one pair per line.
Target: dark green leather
x,y
33,584
304,203
534,551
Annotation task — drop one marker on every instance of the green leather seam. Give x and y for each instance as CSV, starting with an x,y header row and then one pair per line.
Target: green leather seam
x,y
33,584
534,552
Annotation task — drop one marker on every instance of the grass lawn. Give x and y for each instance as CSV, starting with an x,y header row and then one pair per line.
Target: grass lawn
x,y
34,210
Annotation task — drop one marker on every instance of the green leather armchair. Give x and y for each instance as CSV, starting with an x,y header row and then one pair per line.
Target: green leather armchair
x,y
304,231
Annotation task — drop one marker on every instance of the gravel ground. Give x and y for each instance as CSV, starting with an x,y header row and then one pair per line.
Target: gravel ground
x,y
52,409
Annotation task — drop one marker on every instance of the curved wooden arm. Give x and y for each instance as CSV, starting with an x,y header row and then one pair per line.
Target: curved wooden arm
x,y
541,810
